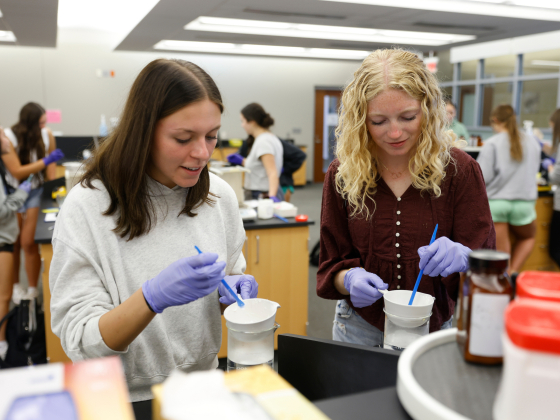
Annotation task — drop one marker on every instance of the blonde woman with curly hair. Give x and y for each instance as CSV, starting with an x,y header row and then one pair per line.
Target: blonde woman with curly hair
x,y
397,174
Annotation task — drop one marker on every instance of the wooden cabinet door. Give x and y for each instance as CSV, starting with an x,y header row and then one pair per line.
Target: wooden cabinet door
x,y
279,261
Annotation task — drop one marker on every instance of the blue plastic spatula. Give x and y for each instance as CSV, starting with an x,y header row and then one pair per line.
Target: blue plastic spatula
x,y
421,271
229,289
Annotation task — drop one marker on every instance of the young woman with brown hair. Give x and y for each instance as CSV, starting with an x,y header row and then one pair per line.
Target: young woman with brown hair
x,y
266,155
510,161
124,242
33,152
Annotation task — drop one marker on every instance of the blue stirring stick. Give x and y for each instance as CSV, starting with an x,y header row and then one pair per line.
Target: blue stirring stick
x,y
421,271
229,289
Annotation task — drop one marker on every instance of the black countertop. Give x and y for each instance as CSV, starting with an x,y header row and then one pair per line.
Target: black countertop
x,y
44,230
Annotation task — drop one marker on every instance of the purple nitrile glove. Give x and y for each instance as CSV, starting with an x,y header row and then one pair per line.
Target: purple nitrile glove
x,y
444,257
243,284
275,199
184,281
54,156
235,159
25,186
363,287
547,162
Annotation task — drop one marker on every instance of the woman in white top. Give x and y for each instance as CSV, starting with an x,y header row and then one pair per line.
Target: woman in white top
x,y
125,276
266,155
33,152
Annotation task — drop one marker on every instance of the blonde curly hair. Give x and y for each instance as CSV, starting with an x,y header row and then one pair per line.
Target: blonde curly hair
x,y
356,151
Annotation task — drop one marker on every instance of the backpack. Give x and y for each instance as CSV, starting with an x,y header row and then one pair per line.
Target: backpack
x,y
292,161
25,334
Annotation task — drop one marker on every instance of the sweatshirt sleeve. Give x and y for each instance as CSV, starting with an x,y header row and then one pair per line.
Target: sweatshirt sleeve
x,y
336,249
80,291
486,159
9,204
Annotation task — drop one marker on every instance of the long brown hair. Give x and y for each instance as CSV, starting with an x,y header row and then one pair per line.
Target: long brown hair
x,y
28,133
162,88
255,112
555,120
505,114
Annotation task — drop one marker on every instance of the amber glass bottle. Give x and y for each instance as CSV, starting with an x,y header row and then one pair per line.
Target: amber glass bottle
x,y
485,293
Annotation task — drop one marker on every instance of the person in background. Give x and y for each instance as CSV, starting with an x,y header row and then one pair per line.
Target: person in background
x,y
34,153
10,201
510,161
554,179
292,159
124,242
397,174
265,158
458,128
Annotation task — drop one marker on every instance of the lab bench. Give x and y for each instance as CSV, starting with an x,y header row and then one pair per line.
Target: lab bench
x,y
277,255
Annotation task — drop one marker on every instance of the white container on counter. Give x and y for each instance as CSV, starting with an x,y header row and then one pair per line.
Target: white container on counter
x,y
530,386
72,173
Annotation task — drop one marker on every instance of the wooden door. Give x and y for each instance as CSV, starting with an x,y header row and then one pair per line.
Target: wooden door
x,y
327,103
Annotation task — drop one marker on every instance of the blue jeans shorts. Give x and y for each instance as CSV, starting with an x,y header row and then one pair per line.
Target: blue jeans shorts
x,y
33,200
349,327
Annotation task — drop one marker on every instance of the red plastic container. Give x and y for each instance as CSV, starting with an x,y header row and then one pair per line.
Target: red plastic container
x,y
541,285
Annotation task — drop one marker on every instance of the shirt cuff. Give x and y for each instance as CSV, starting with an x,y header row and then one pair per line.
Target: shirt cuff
x,y
92,342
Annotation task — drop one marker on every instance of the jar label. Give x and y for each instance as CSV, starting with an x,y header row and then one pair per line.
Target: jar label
x,y
487,324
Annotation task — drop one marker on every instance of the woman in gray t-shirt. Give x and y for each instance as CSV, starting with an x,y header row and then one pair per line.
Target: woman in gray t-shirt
x,y
266,155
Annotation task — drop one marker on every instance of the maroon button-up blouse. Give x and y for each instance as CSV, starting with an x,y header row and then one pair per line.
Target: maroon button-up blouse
x,y
387,244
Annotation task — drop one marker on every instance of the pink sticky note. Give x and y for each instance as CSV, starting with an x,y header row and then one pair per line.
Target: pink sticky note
x,y
53,116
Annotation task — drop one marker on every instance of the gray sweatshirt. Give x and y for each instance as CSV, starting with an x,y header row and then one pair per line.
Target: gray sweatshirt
x,y
505,178
93,270
554,179
9,204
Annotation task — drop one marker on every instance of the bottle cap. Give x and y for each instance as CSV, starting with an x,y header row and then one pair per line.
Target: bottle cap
x,y
481,259
538,285
534,325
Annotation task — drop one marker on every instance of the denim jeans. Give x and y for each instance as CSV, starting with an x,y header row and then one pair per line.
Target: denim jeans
x,y
349,327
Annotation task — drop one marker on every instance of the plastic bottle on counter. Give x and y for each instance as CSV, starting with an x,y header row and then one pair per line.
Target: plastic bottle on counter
x,y
484,294
531,372
103,131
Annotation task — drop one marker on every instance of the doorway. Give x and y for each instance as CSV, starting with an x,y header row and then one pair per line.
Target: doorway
x,y
327,103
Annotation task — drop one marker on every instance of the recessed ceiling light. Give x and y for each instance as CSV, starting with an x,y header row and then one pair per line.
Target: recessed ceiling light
x,y
117,16
339,33
523,9
251,49
545,63
7,36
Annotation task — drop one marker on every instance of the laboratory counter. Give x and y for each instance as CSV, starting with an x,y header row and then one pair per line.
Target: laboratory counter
x,y
277,255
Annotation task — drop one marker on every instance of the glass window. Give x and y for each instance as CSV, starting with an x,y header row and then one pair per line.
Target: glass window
x,y
494,95
538,101
466,105
447,92
503,66
541,62
468,70
445,67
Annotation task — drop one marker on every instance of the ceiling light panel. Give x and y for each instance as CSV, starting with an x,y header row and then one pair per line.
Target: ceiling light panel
x,y
548,10
250,49
7,36
117,16
339,33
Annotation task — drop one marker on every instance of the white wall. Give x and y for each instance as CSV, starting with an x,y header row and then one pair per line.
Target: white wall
x,y
65,78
